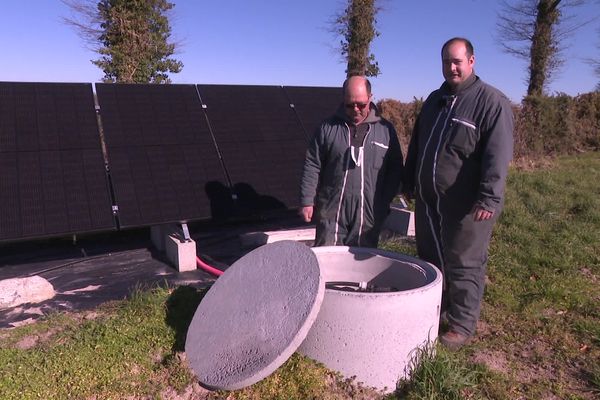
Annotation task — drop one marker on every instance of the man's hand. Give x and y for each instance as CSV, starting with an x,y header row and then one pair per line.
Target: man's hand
x,y
481,214
306,212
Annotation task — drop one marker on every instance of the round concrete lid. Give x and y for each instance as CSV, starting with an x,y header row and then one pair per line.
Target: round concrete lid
x,y
255,316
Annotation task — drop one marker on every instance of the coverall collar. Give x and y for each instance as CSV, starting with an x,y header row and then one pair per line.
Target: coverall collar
x,y
462,87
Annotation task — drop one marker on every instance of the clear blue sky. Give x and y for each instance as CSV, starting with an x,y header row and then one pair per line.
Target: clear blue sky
x,y
275,42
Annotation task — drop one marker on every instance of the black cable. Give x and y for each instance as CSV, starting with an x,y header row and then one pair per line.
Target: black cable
x,y
356,287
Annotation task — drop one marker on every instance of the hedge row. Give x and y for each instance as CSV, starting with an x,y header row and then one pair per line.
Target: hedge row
x,y
544,126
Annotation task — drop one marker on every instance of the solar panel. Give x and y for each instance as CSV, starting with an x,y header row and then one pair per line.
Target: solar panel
x,y
52,173
261,141
314,104
161,155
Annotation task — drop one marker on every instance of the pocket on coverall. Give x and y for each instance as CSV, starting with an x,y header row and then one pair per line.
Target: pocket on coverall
x,y
379,152
464,136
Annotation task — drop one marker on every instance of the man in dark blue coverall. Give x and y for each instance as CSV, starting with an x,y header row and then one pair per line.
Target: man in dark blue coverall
x,y
456,169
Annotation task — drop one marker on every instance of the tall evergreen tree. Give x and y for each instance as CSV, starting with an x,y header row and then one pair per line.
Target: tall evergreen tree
x,y
131,36
356,25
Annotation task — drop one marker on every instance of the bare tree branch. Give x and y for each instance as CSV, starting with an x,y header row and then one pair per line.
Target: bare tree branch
x,y
595,62
85,20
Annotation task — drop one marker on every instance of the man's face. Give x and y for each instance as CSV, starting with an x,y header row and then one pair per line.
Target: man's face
x,y
457,66
356,102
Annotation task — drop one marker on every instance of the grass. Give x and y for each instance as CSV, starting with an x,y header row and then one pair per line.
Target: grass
x,y
437,375
110,355
544,274
539,334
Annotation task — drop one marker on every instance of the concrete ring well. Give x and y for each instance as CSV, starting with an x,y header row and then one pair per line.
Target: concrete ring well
x,y
372,335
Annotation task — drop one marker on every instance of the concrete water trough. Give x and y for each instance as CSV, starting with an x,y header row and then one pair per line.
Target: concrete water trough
x,y
378,308
361,312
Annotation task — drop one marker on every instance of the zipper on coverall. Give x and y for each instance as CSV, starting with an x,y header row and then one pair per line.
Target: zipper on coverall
x,y
435,232
358,161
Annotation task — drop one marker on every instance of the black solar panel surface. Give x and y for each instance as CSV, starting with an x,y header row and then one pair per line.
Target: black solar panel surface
x,y
261,141
314,104
160,151
52,176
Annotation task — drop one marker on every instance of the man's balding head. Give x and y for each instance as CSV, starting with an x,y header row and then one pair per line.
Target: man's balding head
x,y
357,80
357,98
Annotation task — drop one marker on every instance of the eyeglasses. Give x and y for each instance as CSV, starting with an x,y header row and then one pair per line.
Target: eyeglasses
x,y
360,106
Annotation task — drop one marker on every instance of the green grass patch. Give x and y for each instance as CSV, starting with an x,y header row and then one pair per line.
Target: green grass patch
x,y
438,375
120,353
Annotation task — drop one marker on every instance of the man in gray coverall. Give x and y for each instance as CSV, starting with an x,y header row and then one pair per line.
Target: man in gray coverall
x,y
456,168
352,171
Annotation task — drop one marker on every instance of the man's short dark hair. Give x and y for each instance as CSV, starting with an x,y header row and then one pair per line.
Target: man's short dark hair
x,y
467,43
367,84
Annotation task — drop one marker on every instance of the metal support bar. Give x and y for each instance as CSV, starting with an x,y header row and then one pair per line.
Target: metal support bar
x,y
186,232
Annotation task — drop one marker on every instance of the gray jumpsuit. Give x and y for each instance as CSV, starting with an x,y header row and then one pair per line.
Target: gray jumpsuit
x,y
458,157
351,184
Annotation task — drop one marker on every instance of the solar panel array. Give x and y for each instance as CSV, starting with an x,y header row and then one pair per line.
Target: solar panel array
x,y
52,172
174,153
160,152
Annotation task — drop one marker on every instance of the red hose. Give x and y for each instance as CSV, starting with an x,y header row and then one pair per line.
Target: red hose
x,y
205,267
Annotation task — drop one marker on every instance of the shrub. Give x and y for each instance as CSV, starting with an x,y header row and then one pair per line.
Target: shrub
x,y
544,125
403,116
560,124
